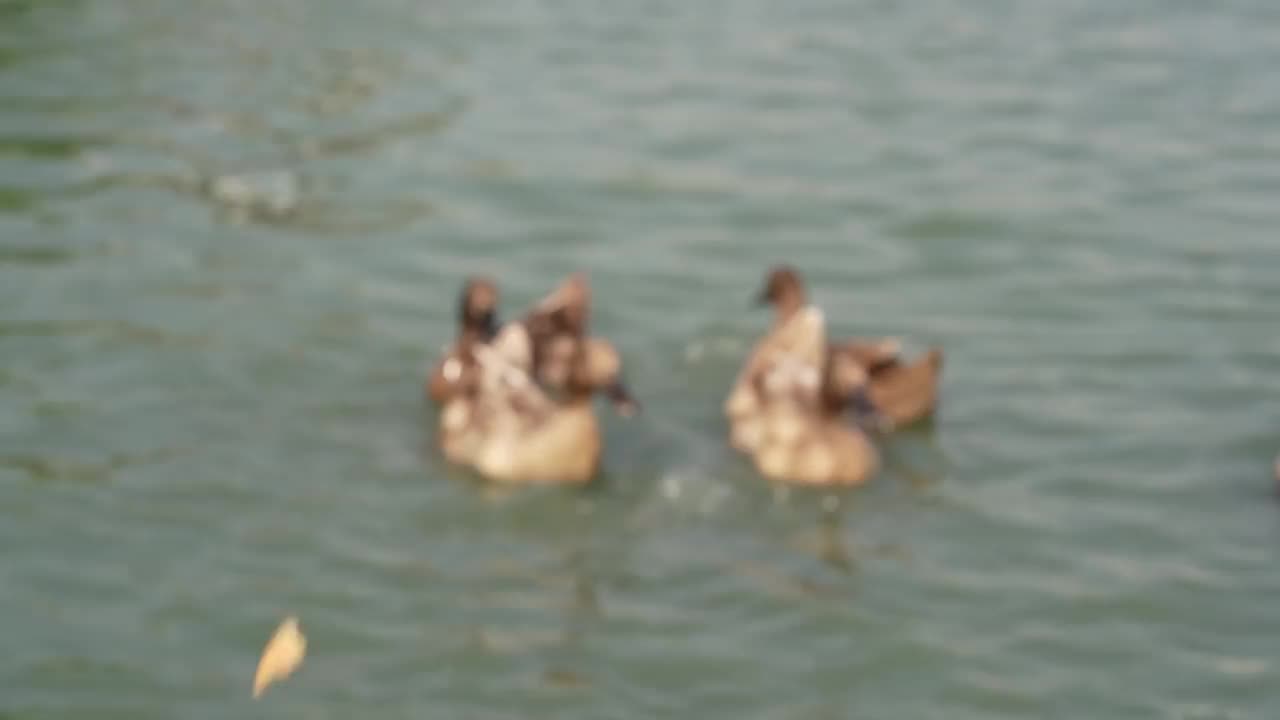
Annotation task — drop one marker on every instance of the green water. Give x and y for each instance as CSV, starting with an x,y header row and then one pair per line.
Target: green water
x,y
230,237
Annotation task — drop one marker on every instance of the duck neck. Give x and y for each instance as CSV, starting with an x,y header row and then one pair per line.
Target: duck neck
x,y
469,338
475,330
787,306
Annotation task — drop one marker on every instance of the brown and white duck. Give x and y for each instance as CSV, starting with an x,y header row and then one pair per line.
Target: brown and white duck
x,y
502,422
902,392
513,432
477,324
795,431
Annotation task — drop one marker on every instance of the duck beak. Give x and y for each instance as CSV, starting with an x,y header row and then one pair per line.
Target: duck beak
x,y
762,297
623,403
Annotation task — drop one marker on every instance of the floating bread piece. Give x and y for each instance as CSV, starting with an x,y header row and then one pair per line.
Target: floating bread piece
x,y
282,655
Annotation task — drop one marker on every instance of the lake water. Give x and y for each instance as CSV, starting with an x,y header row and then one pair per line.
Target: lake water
x,y
231,234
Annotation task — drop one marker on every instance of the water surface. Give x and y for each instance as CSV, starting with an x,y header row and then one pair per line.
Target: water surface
x,y
230,237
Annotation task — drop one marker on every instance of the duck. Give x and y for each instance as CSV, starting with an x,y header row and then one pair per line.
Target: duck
x,y
512,432
903,393
523,342
845,374
477,324
501,422
796,433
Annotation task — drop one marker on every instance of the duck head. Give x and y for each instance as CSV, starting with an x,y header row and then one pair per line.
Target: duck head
x,y
784,290
565,311
557,328
478,307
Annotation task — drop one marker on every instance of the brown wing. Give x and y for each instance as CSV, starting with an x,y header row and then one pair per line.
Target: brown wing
x,y
908,393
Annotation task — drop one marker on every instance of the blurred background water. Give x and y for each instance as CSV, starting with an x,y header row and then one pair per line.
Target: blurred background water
x,y
231,233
